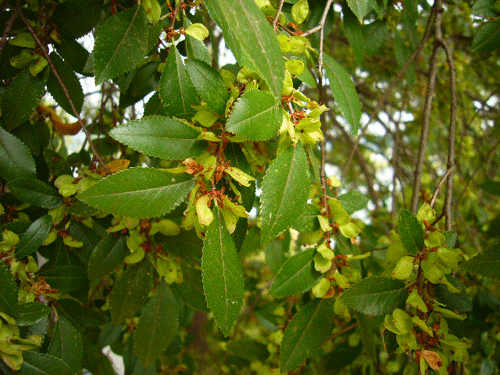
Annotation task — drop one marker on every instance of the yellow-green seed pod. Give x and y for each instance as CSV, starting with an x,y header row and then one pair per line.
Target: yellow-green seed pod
x,y
402,321
404,268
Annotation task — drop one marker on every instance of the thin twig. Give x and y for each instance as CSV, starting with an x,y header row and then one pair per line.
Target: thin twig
x,y
440,185
174,16
278,13
44,50
346,329
452,135
6,31
385,95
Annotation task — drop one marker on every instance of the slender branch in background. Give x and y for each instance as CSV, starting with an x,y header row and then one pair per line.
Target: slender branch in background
x,y
451,136
323,99
6,31
395,166
346,329
385,95
275,22
440,185
431,87
44,50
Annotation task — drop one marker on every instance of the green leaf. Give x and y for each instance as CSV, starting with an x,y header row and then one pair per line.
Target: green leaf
x,y
15,158
341,356
31,313
157,325
67,278
138,192
66,344
411,233
190,290
375,295
71,82
34,236
222,274
344,92
486,263
487,37
367,336
307,331
21,97
255,116
73,53
296,275
353,201
460,302
208,84
251,38
8,291
300,10
177,92
484,8
360,8
161,137
130,291
121,43
43,364
107,255
285,190
35,192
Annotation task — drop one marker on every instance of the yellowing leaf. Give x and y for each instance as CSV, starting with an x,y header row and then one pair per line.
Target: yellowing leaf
x,y
198,31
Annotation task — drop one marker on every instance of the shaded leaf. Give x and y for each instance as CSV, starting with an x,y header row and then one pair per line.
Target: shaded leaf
x,y
255,116
71,82
35,192
492,187
160,136
190,290
296,275
341,356
43,364
248,349
222,274
34,237
460,302
285,190
410,231
107,255
15,158
157,325
177,92
486,263
66,278
353,201
138,192
66,344
196,49
130,291
8,291
21,97
307,331
31,312
308,221
344,92
375,295
75,18
121,43
251,38
208,84
360,8
487,37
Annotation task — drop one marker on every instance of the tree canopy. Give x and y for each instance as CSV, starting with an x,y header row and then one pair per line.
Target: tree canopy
x,y
249,186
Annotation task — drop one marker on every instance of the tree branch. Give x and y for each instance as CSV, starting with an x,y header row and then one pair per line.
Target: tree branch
x,y
440,185
6,31
385,95
275,22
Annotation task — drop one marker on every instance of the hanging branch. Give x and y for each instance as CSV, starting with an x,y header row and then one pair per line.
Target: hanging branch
x,y
451,136
275,22
6,31
440,185
431,87
323,100
385,95
45,53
